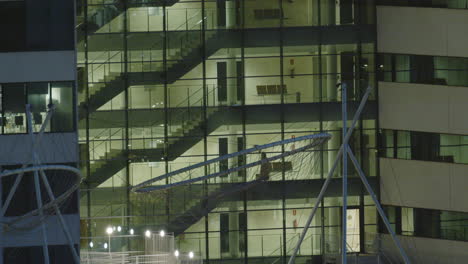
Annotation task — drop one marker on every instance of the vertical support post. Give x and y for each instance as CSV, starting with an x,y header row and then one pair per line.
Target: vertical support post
x,y
188,104
108,244
1,219
345,151
345,174
37,187
41,215
330,174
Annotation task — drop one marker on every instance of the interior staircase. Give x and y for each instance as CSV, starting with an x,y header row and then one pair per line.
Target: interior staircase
x,y
112,76
181,138
101,15
199,205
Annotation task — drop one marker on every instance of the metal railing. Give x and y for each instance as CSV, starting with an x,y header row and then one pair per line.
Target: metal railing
x,y
189,110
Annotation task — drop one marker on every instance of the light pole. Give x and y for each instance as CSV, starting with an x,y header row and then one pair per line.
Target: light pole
x,y
109,232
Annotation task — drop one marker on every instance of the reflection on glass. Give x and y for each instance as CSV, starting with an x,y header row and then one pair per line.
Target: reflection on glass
x,y
14,108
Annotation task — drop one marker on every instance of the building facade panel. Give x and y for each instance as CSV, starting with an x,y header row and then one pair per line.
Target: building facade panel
x,y
414,107
422,31
427,250
443,184
38,65
421,107
32,66
402,184
54,148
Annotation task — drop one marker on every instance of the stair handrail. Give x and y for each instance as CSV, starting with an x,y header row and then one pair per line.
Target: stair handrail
x,y
176,30
187,100
106,139
107,206
187,18
108,61
292,248
119,130
102,8
281,247
189,106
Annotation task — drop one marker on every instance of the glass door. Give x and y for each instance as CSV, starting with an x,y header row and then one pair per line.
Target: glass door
x,y
353,231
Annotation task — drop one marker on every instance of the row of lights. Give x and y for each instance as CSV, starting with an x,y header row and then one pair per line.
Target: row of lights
x,y
111,230
162,233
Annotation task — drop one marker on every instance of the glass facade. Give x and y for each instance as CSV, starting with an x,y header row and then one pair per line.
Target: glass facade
x,y
413,145
38,95
167,84
456,4
452,71
429,223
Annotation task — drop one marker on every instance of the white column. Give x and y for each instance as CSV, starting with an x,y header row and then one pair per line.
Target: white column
x,y
317,236
233,178
332,72
232,148
234,235
328,12
230,14
337,12
331,81
332,239
231,73
231,62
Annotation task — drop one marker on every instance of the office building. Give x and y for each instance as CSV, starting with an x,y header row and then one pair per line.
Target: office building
x,y
423,64
166,84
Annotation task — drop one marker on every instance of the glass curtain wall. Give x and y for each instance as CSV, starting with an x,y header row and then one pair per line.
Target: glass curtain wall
x,y
168,84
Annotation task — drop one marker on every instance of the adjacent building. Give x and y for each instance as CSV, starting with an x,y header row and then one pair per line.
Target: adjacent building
x,y
422,99
37,67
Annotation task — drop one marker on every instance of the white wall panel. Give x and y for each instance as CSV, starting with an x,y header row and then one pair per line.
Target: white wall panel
x,y
424,184
53,148
426,250
421,107
37,66
423,31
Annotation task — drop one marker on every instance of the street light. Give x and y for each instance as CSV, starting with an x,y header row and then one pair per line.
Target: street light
x,y
131,231
190,254
176,253
162,233
148,233
119,228
91,244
